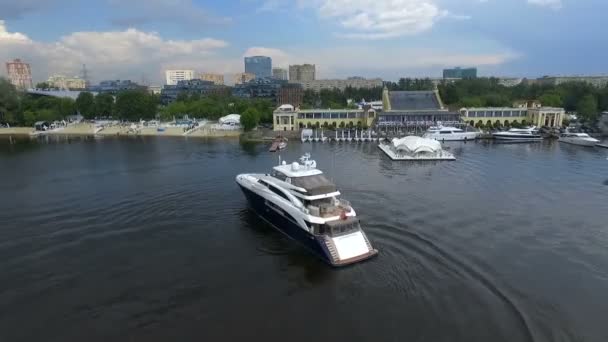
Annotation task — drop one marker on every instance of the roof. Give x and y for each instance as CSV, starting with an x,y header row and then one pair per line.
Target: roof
x,y
414,145
331,111
289,171
315,185
414,100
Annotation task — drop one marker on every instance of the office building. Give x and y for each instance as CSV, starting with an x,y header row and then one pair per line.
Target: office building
x,y
69,83
217,79
460,73
19,74
265,88
318,85
260,66
155,90
279,74
243,78
174,76
302,73
170,93
291,93
115,86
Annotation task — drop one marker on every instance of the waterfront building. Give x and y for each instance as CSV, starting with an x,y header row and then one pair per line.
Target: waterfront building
x,y
533,115
174,76
291,93
414,108
217,79
460,73
19,74
596,81
302,73
170,93
266,88
243,78
260,66
279,74
115,86
64,82
318,85
288,118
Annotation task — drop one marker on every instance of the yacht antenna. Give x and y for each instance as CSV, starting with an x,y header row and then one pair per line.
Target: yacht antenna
x,y
279,159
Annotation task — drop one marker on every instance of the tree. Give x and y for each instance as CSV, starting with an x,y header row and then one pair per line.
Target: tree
x,y
85,104
587,107
250,119
104,104
43,85
133,105
551,99
9,102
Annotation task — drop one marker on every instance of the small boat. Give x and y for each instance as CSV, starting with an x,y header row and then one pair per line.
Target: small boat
x,y
306,135
449,134
349,139
530,134
323,137
279,143
581,139
300,202
316,139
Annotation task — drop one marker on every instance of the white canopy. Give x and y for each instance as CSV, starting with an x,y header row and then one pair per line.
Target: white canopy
x,y
415,145
231,119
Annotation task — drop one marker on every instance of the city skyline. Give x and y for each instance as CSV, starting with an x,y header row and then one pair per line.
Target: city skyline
x,y
519,38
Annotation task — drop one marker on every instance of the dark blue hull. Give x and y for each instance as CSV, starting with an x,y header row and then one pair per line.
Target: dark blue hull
x,y
287,226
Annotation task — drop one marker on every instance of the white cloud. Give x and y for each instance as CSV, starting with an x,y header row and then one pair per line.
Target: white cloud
x,y
379,19
127,54
12,37
554,4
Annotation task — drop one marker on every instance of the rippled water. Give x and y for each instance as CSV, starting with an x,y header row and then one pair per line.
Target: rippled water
x,y
151,240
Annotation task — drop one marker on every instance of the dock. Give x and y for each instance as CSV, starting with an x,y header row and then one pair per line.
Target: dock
x,y
440,155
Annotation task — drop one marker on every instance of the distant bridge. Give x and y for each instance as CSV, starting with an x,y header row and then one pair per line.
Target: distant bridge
x,y
72,94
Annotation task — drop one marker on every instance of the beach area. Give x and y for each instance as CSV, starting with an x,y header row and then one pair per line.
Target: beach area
x,y
90,129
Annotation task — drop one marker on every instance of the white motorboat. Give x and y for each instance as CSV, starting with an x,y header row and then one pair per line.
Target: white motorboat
x,y
530,134
441,133
300,202
582,139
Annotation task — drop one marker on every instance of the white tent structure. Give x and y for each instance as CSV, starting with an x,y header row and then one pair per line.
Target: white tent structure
x,y
231,120
415,148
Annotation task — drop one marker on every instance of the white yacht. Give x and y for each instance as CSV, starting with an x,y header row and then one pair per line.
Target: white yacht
x,y
530,134
441,133
301,203
582,139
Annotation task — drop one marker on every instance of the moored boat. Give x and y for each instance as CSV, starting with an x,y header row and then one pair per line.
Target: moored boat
x,y
581,139
530,134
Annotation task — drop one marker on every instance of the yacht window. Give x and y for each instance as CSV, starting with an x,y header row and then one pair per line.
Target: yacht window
x,y
279,175
445,132
278,192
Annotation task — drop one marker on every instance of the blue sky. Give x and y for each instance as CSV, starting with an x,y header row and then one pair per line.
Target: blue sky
x,y
138,39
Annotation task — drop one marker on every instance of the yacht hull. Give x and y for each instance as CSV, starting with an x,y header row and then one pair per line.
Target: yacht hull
x,y
507,138
465,136
286,226
580,142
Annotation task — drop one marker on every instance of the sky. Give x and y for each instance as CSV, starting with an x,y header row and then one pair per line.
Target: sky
x,y
139,39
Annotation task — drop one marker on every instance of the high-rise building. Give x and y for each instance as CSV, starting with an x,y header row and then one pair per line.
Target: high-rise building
x,y
19,74
292,94
64,82
302,73
260,66
174,76
460,73
243,78
217,79
279,74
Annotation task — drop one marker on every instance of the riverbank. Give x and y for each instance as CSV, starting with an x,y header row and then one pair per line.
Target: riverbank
x,y
86,129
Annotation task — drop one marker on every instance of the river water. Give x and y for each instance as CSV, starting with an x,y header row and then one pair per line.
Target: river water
x,y
150,239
